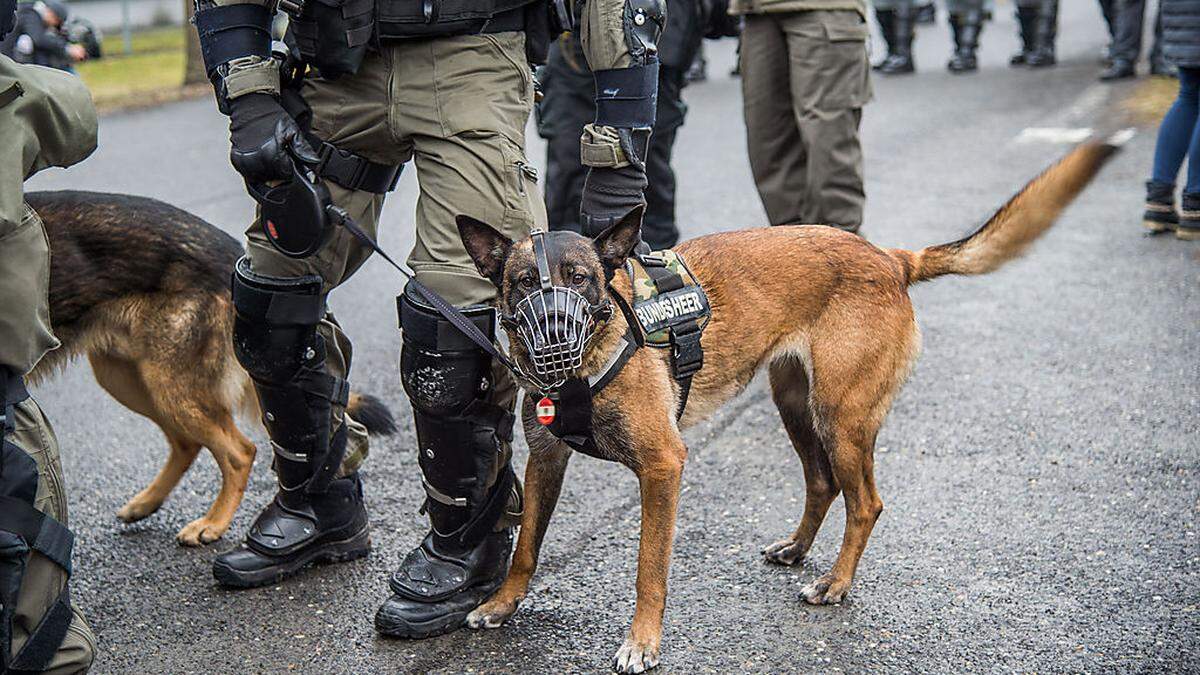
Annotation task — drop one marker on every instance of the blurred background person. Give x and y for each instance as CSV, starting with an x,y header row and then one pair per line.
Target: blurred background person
x,y
568,104
1127,21
805,80
897,21
1037,21
46,35
1179,134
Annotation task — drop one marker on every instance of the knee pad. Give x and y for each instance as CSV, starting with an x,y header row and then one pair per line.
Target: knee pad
x,y
275,326
275,340
442,370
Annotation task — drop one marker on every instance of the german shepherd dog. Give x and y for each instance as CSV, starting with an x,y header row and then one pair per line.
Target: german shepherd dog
x,y
143,289
825,311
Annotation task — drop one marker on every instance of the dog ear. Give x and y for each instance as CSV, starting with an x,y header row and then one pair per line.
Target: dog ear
x,y
616,243
488,248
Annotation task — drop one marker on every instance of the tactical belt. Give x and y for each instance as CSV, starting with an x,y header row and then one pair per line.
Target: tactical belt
x,y
353,171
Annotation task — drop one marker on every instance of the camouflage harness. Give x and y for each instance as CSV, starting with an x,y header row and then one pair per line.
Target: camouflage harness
x,y
669,310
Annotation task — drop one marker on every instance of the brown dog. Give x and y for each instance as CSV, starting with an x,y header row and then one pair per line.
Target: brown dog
x,y
142,288
826,311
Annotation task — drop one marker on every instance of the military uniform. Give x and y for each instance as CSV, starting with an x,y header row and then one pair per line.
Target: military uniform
x,y
568,105
46,119
805,80
369,86
896,20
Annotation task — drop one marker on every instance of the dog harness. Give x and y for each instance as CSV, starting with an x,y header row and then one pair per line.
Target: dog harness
x,y
669,310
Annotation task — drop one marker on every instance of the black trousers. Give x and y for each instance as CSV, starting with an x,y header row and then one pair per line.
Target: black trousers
x,y
1125,21
568,105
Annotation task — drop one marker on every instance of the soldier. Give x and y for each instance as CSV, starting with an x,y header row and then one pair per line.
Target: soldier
x,y
447,84
966,23
568,105
896,19
1038,25
805,80
1126,23
46,119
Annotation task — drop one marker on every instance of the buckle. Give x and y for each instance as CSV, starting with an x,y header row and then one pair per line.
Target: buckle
x,y
341,166
687,356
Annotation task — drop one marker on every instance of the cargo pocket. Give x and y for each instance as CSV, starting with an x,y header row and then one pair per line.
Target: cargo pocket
x,y
849,77
522,200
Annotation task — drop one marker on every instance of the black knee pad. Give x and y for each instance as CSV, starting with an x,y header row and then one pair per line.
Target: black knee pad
x,y
442,370
275,339
275,327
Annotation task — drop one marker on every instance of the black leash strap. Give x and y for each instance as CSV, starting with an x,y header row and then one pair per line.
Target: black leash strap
x,y
443,307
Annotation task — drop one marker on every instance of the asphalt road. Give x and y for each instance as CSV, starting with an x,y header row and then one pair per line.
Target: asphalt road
x,y
1040,470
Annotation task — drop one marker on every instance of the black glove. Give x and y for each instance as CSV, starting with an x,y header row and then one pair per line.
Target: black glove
x,y
611,193
265,139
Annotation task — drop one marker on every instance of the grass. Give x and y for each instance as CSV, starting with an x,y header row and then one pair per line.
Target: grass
x,y
1151,99
153,72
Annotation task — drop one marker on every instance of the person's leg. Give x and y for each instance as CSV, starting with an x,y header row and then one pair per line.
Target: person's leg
x,y
658,226
43,579
464,101
1176,133
885,16
830,84
966,24
299,359
1189,216
1046,32
1027,13
567,105
777,154
904,19
1127,42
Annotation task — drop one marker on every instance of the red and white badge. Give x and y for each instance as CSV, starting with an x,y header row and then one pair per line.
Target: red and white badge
x,y
545,411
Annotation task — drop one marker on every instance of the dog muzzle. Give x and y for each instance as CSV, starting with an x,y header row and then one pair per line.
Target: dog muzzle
x,y
555,324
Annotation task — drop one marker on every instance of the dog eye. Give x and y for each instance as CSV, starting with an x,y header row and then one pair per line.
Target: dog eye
x,y
578,279
525,282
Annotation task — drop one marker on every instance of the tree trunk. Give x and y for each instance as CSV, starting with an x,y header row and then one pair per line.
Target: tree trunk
x,y
193,72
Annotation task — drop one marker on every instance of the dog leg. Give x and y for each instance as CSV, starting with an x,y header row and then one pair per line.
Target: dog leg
x,y
789,388
234,454
659,476
183,452
543,482
853,466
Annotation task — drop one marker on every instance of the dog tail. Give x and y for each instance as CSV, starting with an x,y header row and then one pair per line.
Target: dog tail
x,y
372,413
1019,222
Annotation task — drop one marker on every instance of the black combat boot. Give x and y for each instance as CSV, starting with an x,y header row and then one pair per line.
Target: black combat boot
x,y
967,27
1119,69
464,425
900,60
1043,54
315,516
1027,20
1189,217
885,18
1160,215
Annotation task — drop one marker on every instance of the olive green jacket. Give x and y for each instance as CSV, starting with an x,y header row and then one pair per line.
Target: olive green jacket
x,y
773,6
46,119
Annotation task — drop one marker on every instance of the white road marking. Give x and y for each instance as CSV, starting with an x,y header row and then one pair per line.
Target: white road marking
x,y
1053,134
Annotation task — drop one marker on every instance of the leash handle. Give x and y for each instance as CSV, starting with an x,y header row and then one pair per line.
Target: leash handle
x,y
443,307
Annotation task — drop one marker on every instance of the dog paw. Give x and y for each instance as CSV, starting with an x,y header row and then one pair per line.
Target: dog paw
x,y
635,656
200,532
491,614
136,509
827,590
784,552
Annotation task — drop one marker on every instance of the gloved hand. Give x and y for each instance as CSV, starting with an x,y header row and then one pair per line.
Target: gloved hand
x,y
265,139
609,193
